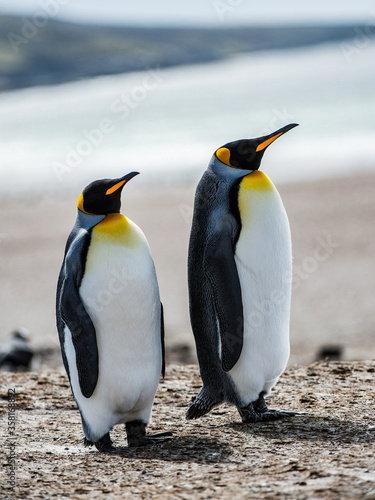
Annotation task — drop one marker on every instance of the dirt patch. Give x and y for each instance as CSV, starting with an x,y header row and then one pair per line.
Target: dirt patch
x,y
327,451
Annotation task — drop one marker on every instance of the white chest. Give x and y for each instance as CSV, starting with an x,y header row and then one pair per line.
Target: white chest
x,y
121,295
263,257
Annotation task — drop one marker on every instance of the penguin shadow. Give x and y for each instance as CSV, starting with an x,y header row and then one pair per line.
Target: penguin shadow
x,y
186,448
309,427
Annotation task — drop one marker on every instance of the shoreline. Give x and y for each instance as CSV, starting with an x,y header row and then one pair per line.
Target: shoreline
x,y
106,49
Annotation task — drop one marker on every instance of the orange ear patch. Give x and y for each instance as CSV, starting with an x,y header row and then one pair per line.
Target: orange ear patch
x,y
80,204
223,154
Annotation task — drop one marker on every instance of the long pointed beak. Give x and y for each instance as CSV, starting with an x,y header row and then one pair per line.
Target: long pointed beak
x,y
129,176
268,139
123,180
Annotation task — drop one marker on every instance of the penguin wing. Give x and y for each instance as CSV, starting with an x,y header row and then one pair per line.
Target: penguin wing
x,y
75,316
221,272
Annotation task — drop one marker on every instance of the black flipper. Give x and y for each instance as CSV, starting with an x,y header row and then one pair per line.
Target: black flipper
x,y
75,316
221,271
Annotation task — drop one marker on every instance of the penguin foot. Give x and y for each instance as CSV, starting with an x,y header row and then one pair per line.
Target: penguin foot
x,y
104,444
267,416
87,442
203,403
258,412
160,437
136,434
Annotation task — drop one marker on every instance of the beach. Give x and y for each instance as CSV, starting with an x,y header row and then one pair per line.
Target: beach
x,y
333,235
324,452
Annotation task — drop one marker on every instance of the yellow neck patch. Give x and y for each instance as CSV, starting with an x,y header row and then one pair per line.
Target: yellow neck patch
x,y
117,229
113,225
257,180
252,188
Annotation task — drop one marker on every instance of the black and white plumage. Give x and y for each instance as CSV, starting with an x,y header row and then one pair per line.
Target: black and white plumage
x,y
239,274
110,318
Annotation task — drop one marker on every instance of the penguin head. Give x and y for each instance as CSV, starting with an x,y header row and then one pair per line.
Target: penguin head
x,y
103,197
246,154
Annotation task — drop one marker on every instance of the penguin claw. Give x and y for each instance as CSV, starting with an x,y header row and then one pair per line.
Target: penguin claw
x,y
136,434
160,437
104,444
114,450
276,414
266,416
258,412
282,414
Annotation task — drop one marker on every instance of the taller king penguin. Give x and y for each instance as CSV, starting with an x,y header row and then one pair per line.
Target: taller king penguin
x,y
110,318
239,275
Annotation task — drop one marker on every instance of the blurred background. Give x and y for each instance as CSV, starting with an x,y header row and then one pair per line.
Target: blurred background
x,y
92,89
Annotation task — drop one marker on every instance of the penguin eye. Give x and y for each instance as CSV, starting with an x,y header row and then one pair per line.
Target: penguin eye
x,y
245,152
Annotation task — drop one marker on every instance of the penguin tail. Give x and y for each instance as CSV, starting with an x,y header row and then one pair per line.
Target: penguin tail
x,y
203,403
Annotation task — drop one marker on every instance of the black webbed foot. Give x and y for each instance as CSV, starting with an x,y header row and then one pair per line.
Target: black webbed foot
x,y
258,412
104,444
136,434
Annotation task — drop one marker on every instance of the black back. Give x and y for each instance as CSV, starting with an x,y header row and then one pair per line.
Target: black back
x,y
215,299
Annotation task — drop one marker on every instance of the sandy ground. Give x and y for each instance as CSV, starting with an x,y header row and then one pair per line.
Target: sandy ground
x,y
324,452
333,231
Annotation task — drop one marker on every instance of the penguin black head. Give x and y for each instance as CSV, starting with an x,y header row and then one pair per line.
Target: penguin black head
x,y
103,197
246,154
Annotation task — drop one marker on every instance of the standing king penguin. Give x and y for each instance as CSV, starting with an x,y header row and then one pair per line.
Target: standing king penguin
x,y
239,275
110,318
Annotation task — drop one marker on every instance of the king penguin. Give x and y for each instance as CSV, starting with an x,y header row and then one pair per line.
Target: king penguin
x,y
110,319
239,275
